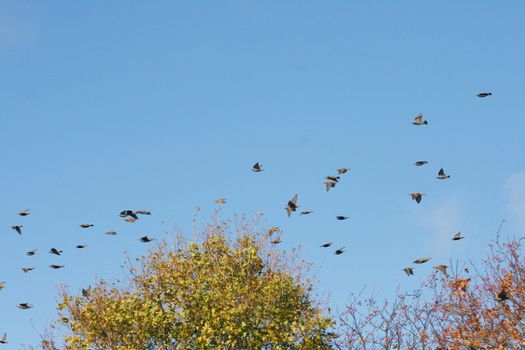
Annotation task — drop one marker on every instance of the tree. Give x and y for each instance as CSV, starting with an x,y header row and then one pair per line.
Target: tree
x,y
479,309
213,292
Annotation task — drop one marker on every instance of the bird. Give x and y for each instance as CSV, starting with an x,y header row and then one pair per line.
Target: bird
x,y
81,246
418,120
457,237
442,269
484,94
2,285
292,205
146,239
130,220
502,295
273,230
326,245
17,228
442,175
409,270
86,292
417,196
332,178
306,212
257,167
25,212
31,252
55,251
220,201
111,233
276,241
329,184
86,225
27,269
342,170
420,162
24,306
143,212
128,212
4,339
421,260
340,251
56,266
340,217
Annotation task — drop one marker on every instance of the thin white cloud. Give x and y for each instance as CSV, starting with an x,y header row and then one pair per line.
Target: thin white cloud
x,y
514,192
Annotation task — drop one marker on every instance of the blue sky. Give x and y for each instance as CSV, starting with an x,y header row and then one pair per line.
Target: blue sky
x,y
113,105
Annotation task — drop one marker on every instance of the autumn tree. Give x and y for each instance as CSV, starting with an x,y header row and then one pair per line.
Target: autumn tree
x,y
212,292
472,307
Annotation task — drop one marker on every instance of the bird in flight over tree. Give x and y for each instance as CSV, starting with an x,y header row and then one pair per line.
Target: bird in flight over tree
x,y
292,205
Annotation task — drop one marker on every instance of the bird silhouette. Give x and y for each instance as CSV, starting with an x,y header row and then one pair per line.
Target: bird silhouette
x,y
86,225
276,241
31,252
332,178
17,228
340,251
306,212
420,162
143,212
2,285
292,205
55,251
4,339
340,217
126,213
24,306
418,120
146,239
220,201
421,260
27,269
56,266
25,212
441,175
502,295
130,220
484,94
257,167
86,292
417,196
342,170
408,270
111,233
81,246
457,237
442,269
329,184
326,245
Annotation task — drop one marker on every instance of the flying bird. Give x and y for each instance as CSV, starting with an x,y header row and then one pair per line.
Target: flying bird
x,y
2,285
86,292
81,246
86,225
420,162
56,266
111,233
55,251
130,220
421,260
457,237
4,339
340,217
27,269
126,213
292,205
417,196
24,306
442,175
340,251
329,184
31,252
17,228
342,170
418,120
442,269
408,270
257,167
276,241
306,212
484,94
326,245
146,239
220,201
25,212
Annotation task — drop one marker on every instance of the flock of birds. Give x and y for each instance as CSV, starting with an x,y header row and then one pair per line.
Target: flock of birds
x,y
291,207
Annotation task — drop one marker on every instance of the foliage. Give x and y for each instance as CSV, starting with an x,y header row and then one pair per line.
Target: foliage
x,y
214,292
479,310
